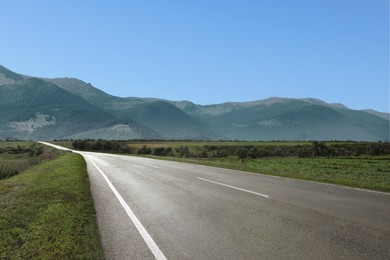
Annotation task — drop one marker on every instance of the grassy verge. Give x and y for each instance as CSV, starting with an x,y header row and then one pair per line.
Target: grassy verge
x,y
47,212
368,172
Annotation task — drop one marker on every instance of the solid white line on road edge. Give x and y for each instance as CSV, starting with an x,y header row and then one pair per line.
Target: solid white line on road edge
x,y
55,146
150,165
236,188
145,235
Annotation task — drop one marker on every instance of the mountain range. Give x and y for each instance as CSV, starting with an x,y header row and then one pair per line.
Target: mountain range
x,y
67,108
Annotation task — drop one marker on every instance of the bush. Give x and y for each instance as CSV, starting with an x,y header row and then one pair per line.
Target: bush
x,y
144,150
6,171
183,151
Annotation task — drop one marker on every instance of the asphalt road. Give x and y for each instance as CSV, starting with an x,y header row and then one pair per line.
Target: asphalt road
x,y
154,209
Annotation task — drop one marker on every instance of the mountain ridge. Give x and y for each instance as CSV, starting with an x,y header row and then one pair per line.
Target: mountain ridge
x,y
274,118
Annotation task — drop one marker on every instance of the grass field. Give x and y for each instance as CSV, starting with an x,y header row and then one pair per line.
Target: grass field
x,y
47,212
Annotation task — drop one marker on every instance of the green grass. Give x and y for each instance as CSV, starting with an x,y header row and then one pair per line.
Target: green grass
x,y
369,172
47,212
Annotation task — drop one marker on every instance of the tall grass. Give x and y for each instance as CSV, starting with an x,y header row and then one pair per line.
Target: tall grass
x,y
16,157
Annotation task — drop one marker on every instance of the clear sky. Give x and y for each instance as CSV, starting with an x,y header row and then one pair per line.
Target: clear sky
x,y
206,51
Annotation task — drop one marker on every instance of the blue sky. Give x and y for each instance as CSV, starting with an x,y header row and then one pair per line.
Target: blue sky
x,y
206,51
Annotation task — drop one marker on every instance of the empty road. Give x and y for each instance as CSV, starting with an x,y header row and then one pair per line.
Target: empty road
x,y
154,209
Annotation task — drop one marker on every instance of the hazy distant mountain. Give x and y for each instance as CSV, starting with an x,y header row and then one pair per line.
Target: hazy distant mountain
x,y
299,120
380,114
38,108
290,119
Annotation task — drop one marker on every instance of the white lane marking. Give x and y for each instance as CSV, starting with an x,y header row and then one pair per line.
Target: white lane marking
x,y
145,235
234,187
150,165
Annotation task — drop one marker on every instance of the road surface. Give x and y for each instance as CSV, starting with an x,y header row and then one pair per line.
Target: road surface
x,y
154,209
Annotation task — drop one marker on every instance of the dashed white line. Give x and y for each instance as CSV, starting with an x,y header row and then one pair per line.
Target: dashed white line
x,y
145,235
150,165
234,187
